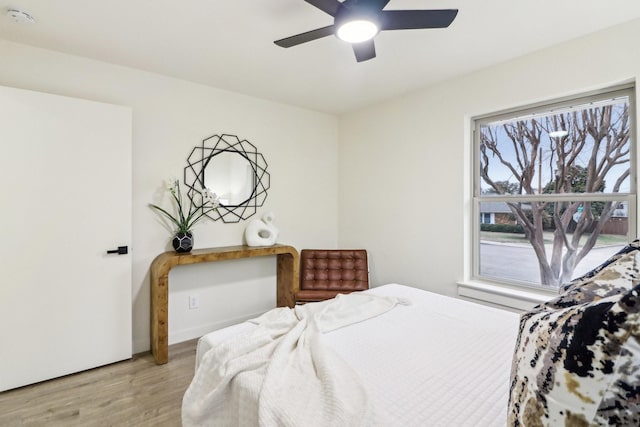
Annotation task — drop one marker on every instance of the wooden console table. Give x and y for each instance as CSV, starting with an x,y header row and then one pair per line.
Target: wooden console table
x,y
288,264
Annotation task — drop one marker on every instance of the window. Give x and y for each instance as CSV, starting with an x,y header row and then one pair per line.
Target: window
x,y
559,180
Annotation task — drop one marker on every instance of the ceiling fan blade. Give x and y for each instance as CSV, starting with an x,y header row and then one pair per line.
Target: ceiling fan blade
x,y
416,19
327,6
306,37
364,51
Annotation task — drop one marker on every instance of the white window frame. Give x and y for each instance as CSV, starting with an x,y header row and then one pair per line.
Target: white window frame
x,y
520,295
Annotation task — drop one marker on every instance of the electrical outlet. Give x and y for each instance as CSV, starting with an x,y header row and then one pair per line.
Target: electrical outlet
x,y
194,302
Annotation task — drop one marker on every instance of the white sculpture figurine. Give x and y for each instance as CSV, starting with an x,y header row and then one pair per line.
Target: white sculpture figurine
x,y
261,232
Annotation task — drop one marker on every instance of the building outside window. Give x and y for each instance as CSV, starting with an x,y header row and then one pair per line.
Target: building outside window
x,y
486,218
561,178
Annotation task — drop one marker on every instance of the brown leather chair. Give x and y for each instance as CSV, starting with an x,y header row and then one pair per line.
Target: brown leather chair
x,y
325,273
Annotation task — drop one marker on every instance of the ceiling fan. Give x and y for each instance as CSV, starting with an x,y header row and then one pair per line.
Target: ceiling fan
x,y
359,21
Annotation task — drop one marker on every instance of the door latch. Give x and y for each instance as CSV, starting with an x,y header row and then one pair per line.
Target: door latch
x,y
122,250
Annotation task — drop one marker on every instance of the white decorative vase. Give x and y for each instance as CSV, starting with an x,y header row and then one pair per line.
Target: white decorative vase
x,y
261,232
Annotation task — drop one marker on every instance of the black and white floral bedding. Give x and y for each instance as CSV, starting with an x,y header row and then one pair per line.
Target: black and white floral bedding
x,y
577,357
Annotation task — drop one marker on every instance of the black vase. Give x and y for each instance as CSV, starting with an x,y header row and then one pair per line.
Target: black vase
x,y
183,242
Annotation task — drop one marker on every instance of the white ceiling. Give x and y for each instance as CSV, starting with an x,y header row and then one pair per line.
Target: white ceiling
x,y
228,44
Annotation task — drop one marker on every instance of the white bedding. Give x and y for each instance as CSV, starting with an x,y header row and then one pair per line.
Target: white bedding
x,y
437,362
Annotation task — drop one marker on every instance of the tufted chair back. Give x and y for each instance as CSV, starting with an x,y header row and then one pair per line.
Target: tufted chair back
x,y
325,273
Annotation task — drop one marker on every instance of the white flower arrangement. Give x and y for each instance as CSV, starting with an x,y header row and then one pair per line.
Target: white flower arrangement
x,y
185,220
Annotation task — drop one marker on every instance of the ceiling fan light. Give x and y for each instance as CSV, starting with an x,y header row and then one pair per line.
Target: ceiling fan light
x,y
357,31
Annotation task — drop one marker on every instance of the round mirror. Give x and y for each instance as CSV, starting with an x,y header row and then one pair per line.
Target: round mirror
x,y
231,176
234,170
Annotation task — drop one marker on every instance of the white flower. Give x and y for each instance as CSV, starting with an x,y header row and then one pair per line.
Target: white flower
x,y
210,198
171,184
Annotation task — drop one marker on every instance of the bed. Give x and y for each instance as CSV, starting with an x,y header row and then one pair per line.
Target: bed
x,y
400,356
430,360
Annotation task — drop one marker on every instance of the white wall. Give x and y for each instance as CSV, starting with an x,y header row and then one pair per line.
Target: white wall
x,y
405,167
170,117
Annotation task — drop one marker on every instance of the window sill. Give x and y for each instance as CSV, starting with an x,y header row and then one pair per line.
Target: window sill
x,y
519,299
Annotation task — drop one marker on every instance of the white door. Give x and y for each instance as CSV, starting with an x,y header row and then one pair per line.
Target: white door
x,y
65,199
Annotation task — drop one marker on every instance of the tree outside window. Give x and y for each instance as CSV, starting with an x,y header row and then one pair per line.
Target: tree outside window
x,y
562,171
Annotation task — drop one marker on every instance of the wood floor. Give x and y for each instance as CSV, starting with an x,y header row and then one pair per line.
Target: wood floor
x,y
135,392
